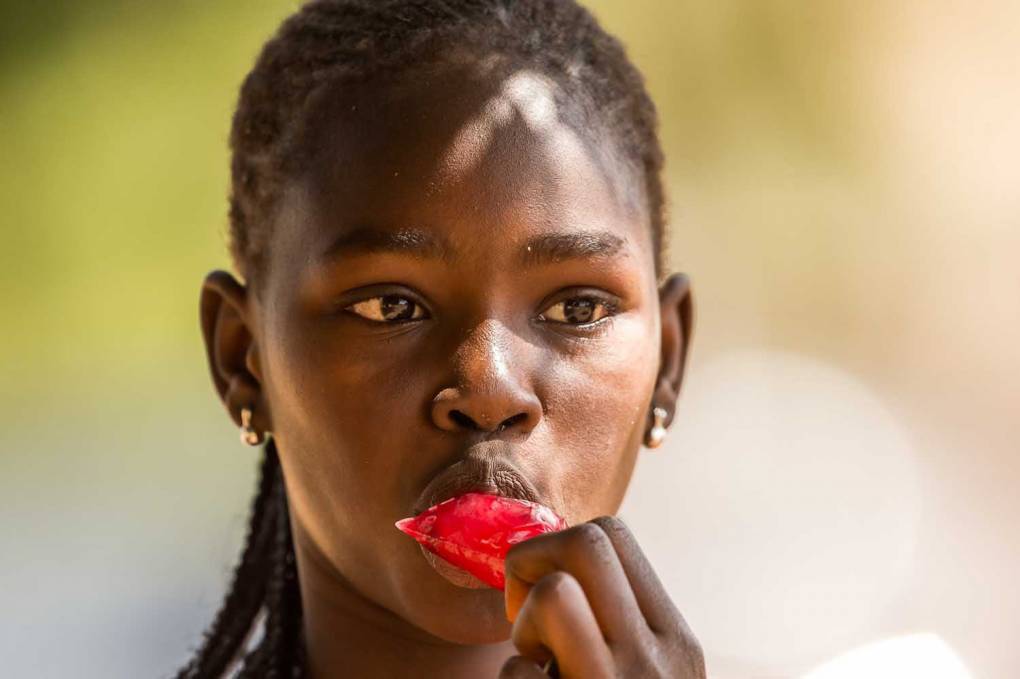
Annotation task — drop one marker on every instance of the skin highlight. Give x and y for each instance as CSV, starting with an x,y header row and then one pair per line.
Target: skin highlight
x,y
466,201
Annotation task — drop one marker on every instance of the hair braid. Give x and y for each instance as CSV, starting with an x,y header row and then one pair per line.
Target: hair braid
x,y
247,590
280,653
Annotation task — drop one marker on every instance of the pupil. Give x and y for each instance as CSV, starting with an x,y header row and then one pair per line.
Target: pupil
x,y
579,310
395,307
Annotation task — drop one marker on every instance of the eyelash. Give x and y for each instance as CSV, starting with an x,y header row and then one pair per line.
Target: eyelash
x,y
609,306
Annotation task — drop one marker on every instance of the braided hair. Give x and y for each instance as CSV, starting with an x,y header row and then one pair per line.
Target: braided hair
x,y
322,48
266,576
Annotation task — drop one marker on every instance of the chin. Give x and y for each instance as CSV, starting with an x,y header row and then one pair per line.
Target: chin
x,y
458,615
474,629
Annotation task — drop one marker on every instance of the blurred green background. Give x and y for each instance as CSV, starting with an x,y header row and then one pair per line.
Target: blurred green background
x,y
844,195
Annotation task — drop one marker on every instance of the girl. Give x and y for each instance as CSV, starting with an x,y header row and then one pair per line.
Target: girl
x,y
448,217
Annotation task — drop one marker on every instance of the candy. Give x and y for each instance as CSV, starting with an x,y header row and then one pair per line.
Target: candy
x,y
474,531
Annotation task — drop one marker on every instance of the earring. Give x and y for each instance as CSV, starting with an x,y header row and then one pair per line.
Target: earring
x,y
248,434
658,432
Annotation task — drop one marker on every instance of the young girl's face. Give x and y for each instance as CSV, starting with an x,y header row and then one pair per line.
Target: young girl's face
x,y
460,293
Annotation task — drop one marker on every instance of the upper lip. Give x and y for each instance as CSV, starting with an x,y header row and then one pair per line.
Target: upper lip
x,y
484,468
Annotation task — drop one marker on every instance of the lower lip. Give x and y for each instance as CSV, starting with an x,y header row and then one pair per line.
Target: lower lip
x,y
456,576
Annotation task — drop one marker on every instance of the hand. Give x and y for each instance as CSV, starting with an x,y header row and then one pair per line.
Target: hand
x,y
588,597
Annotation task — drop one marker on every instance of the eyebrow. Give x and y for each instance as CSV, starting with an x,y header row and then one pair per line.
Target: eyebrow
x,y
366,240
550,248
547,248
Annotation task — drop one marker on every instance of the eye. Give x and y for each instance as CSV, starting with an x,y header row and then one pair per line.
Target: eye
x,y
388,309
581,310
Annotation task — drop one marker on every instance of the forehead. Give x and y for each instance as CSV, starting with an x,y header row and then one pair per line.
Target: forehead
x,y
481,154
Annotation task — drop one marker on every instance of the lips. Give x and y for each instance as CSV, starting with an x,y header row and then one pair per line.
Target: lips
x,y
475,531
483,469
467,517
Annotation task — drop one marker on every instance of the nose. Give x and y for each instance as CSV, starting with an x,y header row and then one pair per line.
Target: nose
x,y
491,393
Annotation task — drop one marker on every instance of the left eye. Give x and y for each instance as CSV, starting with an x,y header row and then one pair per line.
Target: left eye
x,y
388,309
577,311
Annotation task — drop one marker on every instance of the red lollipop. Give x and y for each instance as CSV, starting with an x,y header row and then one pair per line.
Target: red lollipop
x,y
474,531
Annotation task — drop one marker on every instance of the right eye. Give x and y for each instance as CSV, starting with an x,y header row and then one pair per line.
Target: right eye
x,y
388,309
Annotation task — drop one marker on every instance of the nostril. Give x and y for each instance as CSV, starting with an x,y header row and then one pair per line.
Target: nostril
x,y
511,421
462,420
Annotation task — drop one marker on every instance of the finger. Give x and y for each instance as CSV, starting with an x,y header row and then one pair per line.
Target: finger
x,y
652,598
519,667
587,553
557,621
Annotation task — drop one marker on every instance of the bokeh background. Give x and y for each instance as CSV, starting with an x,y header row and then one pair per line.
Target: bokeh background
x,y
841,491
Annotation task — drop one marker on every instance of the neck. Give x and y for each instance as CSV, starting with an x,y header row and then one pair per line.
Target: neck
x,y
347,635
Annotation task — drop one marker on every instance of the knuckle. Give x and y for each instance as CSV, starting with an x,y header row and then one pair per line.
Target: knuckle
x,y
695,654
555,586
685,654
611,524
670,625
587,537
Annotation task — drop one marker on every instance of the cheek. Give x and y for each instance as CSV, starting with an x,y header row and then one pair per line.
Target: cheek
x,y
597,403
344,417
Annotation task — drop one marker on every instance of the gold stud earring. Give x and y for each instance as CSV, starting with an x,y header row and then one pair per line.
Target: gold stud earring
x,y
658,431
248,434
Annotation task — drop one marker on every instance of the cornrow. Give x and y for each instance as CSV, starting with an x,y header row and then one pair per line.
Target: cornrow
x,y
328,45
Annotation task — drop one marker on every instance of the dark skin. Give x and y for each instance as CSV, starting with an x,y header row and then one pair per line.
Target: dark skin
x,y
402,320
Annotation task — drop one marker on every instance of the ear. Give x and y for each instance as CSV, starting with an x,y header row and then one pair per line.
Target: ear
x,y
231,349
676,312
